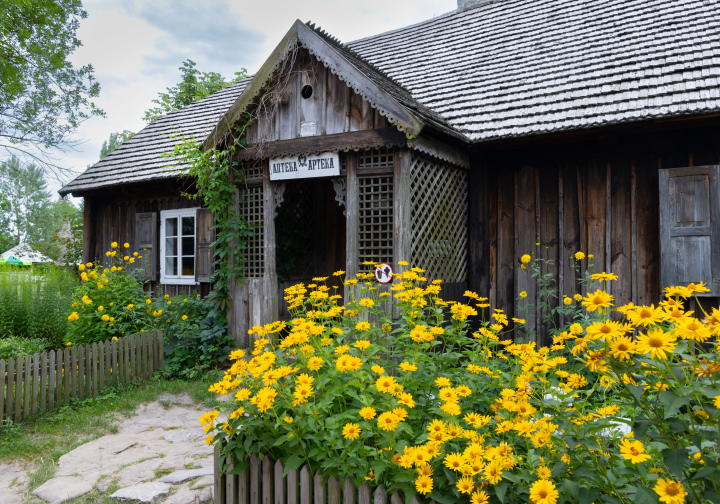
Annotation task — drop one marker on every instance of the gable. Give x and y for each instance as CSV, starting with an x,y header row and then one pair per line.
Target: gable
x,y
308,100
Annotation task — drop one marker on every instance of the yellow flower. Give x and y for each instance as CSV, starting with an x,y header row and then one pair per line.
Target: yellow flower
x,y
543,472
166,296
367,302
579,256
362,344
362,326
130,306
465,485
604,277
567,301
544,492
442,382
73,317
406,366
209,440
523,294
169,303
106,318
288,419
368,413
622,348
646,315
81,267
670,491
597,300
113,244
148,301
578,297
424,484
634,451
525,259
388,421
184,317
479,497
100,308
656,342
351,431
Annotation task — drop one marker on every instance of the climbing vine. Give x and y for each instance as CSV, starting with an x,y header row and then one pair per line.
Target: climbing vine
x,y
216,174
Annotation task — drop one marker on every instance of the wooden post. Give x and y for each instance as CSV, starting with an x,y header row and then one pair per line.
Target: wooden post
x,y
36,384
218,479
98,368
18,388
60,356
349,494
292,487
352,232
397,498
9,394
306,485
161,347
478,227
230,486
333,490
27,387
81,372
364,493
43,381
318,489
267,480
270,290
254,479
3,387
279,483
51,381
133,351
244,486
73,371
401,218
380,496
67,377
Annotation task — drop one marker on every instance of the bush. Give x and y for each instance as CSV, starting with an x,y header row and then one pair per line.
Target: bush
x,y
111,303
14,347
411,398
34,303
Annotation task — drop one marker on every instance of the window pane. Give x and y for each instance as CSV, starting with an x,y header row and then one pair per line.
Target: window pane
x,y
188,226
171,246
171,227
188,246
188,265
171,264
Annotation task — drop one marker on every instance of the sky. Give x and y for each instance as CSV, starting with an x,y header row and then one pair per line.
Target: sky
x,y
136,46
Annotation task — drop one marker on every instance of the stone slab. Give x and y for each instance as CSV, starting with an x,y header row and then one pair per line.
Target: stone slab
x,y
180,476
203,482
144,492
184,436
62,488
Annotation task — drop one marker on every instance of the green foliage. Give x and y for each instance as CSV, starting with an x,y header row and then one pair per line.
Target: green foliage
x,y
43,98
29,214
192,349
194,85
34,303
217,174
14,346
115,141
623,408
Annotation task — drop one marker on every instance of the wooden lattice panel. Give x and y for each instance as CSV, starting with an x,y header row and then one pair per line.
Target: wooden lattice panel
x,y
439,213
252,210
376,158
376,219
252,170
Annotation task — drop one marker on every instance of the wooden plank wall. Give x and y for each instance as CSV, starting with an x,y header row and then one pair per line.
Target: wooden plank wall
x,y
33,384
333,105
602,201
113,220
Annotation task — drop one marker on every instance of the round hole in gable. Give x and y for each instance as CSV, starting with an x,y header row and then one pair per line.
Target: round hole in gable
x,y
306,91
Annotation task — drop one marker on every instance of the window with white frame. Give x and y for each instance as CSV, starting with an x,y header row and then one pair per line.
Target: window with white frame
x,y
177,246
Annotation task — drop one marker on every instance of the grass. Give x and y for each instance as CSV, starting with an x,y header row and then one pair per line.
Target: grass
x,y
41,441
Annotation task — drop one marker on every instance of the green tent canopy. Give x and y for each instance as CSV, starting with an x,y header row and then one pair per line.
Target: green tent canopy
x,y
14,261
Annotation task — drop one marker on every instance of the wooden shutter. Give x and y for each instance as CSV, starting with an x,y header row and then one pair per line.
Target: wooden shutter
x,y
690,227
204,238
145,240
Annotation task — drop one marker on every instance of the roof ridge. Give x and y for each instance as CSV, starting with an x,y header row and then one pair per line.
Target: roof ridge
x,y
334,41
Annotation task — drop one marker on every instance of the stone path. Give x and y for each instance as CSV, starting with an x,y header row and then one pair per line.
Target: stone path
x,y
157,455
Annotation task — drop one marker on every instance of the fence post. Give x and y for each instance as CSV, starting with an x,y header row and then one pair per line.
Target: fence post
x,y
333,490
74,370
306,485
9,395
3,388
380,495
57,370
66,374
349,494
219,480
36,384
18,388
319,489
161,348
27,387
254,479
267,480
133,357
88,370
82,380
279,482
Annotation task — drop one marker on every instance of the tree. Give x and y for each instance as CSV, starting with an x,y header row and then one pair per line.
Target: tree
x,y
30,215
194,85
43,98
115,141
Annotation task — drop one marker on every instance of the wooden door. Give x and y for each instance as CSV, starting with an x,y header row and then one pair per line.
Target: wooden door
x,y
690,227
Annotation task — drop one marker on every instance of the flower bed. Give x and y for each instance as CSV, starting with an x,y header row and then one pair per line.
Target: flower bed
x,y
413,399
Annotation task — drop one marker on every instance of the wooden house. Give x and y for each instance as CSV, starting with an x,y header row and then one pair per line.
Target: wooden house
x,y
457,144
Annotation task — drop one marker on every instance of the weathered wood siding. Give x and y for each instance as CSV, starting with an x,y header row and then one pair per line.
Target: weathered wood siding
x,y
334,106
599,196
111,217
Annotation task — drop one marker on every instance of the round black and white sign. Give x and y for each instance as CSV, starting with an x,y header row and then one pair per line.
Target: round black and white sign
x,y
383,273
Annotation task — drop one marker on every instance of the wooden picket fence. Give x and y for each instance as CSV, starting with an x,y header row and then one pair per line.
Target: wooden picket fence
x,y
262,482
33,384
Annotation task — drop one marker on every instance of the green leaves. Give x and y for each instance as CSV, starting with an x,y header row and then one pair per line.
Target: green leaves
x,y
675,460
672,402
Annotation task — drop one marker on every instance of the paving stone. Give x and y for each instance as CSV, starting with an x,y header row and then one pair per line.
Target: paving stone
x,y
63,488
182,496
188,474
202,482
184,436
205,495
13,479
144,492
138,473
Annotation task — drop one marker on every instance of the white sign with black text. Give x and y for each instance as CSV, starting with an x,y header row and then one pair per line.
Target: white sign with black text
x,y
321,165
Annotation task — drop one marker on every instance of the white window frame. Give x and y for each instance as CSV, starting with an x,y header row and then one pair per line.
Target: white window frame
x,y
179,214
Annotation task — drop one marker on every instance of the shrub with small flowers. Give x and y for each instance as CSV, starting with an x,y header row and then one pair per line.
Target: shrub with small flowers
x,y
111,302
411,397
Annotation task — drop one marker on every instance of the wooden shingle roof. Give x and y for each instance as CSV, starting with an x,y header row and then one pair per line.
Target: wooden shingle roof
x,y
502,69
